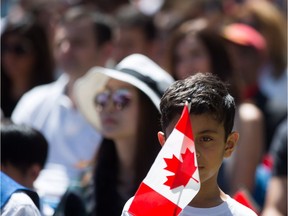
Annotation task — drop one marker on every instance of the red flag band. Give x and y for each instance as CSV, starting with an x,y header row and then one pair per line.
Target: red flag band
x,y
173,180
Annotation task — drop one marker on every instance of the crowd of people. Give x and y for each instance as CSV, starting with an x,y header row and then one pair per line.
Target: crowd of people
x,y
82,81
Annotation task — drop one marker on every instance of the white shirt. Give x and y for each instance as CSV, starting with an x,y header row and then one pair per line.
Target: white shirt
x,y
72,140
20,204
228,208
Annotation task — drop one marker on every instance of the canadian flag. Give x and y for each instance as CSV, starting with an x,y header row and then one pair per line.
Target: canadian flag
x,y
173,180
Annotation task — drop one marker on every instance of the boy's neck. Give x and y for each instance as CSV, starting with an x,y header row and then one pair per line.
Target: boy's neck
x,y
210,195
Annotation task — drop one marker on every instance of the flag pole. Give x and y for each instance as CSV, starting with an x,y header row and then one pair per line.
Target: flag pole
x,y
188,103
177,156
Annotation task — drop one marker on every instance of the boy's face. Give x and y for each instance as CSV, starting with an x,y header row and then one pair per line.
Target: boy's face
x,y
211,146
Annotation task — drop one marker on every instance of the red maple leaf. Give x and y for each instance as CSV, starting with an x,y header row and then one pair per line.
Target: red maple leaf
x,y
183,171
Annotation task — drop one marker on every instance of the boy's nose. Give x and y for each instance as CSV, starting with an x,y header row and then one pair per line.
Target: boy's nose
x,y
197,154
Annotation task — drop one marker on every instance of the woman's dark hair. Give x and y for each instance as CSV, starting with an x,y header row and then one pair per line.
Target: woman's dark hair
x,y
42,73
210,36
213,42
106,171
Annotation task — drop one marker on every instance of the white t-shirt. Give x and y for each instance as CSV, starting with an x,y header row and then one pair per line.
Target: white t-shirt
x,y
228,208
20,204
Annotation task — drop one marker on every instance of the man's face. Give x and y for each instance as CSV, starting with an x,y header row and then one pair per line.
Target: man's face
x,y
128,41
76,48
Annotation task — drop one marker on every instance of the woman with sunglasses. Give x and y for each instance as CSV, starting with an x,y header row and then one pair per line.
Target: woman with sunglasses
x,y
123,104
26,60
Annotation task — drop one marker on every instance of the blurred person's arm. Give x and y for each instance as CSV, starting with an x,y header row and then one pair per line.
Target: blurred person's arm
x,y
249,150
276,195
276,198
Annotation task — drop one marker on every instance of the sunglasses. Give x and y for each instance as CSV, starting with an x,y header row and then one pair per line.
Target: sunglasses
x,y
18,49
120,98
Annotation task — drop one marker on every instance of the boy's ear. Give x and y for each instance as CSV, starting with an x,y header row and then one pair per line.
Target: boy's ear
x,y
231,143
34,171
161,138
31,175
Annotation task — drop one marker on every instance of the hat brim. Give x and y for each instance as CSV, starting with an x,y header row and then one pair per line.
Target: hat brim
x,y
244,35
86,88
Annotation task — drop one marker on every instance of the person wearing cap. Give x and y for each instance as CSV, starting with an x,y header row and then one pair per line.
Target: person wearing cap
x,y
197,46
123,104
248,50
269,20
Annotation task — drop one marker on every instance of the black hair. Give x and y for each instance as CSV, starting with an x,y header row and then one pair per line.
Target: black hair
x,y
209,35
129,17
43,69
102,23
208,94
106,170
22,146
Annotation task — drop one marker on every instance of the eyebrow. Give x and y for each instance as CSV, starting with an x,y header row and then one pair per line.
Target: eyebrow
x,y
208,131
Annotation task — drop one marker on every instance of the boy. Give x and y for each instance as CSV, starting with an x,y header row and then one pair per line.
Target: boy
x,y
212,116
17,200
23,155
23,152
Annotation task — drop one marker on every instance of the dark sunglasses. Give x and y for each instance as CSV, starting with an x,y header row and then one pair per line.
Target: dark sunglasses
x,y
18,49
120,98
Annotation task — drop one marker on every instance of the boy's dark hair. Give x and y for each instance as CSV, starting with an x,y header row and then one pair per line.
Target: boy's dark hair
x,y
208,94
22,146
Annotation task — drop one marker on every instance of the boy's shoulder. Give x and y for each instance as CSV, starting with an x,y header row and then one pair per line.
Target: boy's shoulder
x,y
20,204
228,208
239,209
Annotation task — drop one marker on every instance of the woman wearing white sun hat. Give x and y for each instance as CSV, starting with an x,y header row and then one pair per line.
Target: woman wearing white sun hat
x,y
123,104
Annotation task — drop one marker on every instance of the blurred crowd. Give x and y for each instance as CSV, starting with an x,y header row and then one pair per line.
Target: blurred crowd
x,y
47,46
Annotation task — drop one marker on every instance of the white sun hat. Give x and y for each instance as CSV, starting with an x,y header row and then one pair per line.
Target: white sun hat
x,y
136,69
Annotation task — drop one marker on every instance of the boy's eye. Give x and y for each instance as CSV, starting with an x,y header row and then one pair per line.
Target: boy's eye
x,y
205,139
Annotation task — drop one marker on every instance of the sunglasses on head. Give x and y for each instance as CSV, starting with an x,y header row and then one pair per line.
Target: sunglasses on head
x,y
18,49
120,99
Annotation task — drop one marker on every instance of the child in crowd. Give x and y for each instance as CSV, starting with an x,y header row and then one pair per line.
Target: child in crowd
x,y
23,155
212,115
23,152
